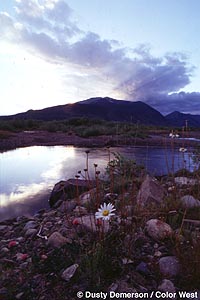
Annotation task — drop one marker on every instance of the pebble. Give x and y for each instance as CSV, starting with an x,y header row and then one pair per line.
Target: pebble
x,y
69,272
30,225
56,240
30,232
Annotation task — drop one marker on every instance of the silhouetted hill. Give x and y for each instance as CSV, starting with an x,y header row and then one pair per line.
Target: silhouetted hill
x,y
179,119
97,108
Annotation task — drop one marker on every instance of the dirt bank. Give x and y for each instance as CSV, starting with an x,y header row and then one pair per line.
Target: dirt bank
x,y
43,138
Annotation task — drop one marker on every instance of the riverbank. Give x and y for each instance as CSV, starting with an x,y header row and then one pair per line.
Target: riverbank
x,y
65,252
9,141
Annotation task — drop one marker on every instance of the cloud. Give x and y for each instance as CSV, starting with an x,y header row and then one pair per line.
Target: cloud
x,y
183,102
47,28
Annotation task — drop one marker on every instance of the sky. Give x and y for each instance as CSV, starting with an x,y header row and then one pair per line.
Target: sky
x,y
54,52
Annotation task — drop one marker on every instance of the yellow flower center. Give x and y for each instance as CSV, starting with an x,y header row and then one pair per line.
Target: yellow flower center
x,y
105,213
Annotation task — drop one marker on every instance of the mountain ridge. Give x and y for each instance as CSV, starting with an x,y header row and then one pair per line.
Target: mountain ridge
x,y
109,109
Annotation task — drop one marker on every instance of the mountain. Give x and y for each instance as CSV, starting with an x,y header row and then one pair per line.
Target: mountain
x,y
97,108
180,119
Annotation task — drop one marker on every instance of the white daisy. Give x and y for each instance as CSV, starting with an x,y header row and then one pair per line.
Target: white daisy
x,y
105,211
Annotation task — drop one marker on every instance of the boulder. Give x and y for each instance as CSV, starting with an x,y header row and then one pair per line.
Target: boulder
x,y
169,266
150,192
65,190
158,230
189,201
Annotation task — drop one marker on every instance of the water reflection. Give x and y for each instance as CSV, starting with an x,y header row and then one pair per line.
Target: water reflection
x,y
29,174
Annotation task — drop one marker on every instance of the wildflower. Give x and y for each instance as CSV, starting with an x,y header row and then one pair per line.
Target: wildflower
x,y
182,149
105,211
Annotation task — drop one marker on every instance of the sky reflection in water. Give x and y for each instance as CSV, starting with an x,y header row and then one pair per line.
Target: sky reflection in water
x,y
27,175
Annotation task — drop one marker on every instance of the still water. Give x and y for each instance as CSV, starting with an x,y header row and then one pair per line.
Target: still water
x,y
27,175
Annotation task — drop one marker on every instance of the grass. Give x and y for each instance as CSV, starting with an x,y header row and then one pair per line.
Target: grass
x,y
107,257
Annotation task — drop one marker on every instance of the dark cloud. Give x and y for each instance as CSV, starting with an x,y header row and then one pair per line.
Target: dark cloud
x,y
136,74
183,102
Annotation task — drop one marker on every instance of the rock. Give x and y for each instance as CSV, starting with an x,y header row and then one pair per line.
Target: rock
x,y
143,268
151,192
69,272
169,266
21,256
19,296
3,227
68,189
158,253
31,232
80,211
110,197
4,250
30,225
67,206
185,181
189,201
89,223
56,240
167,286
158,230
12,244
87,197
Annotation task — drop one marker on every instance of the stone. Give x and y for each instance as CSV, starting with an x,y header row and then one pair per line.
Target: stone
x,y
30,232
19,296
4,250
158,230
89,223
110,197
64,190
30,225
167,286
87,197
189,201
151,192
169,266
69,272
56,240
67,206
143,268
80,211
185,181
21,256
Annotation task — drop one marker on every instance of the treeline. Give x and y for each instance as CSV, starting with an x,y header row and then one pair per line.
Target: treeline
x,y
83,127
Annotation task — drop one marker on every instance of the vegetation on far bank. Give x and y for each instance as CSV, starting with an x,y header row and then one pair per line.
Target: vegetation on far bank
x,y
83,127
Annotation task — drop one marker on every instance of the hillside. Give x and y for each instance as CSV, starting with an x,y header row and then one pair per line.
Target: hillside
x,y
179,119
97,108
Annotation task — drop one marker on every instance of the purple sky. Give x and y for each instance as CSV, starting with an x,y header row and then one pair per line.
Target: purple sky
x,y
56,52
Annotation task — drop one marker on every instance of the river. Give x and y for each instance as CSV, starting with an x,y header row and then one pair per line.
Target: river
x,y
27,175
